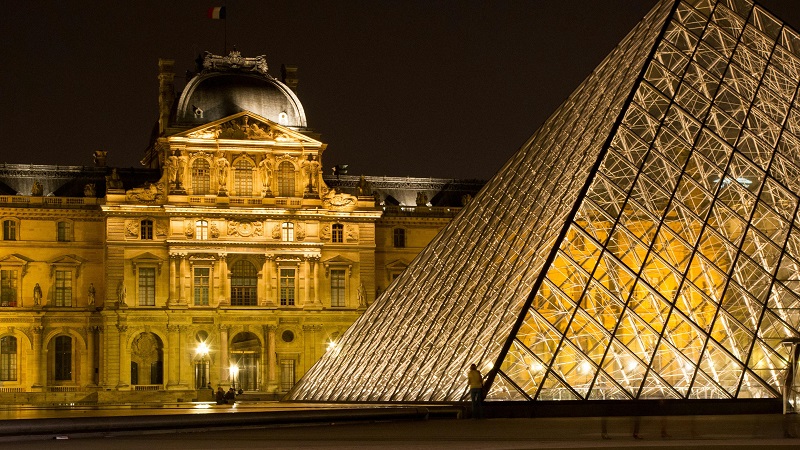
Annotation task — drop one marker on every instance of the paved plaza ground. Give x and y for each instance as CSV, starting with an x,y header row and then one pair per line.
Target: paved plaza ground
x,y
282,426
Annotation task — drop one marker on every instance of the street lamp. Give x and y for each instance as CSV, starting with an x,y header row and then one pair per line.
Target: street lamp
x,y
234,372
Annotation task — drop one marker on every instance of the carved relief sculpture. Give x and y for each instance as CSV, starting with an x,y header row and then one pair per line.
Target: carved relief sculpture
x,y
214,231
113,181
338,201
132,228
89,190
325,232
352,233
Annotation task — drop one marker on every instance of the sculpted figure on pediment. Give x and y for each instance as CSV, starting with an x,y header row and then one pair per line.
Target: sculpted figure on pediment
x,y
338,201
149,193
89,190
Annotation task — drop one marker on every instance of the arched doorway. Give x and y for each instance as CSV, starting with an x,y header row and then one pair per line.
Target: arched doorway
x,y
246,354
147,360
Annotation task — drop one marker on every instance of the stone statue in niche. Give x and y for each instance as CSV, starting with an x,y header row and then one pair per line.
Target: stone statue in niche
x,y
223,167
89,190
37,295
122,293
362,296
265,168
90,294
311,167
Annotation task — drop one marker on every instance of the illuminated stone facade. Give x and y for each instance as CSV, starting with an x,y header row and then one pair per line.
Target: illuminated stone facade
x,y
644,244
228,260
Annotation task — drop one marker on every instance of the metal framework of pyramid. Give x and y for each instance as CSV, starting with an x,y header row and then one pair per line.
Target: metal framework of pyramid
x,y
644,243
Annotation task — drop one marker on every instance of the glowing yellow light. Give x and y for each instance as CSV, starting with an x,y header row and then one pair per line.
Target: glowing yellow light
x,y
331,345
234,370
632,366
536,367
584,367
202,349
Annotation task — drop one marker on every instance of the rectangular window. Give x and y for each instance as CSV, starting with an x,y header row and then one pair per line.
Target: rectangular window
x,y
287,374
287,232
8,358
9,230
337,233
147,286
337,288
202,277
399,237
64,232
63,293
287,286
201,230
146,231
8,288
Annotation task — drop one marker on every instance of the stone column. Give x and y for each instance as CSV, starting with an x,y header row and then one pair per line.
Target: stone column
x,y
182,280
90,356
224,358
39,363
272,382
173,275
172,367
223,280
124,366
307,284
180,357
315,282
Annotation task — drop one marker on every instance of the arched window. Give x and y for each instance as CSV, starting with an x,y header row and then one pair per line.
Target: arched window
x,y
285,179
243,177
287,232
201,230
8,358
283,118
337,233
201,177
244,278
63,358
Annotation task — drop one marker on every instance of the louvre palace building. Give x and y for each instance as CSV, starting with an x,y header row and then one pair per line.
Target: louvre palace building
x,y
229,259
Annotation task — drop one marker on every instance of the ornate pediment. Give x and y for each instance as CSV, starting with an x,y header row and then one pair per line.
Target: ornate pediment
x,y
247,126
147,259
66,261
339,201
15,259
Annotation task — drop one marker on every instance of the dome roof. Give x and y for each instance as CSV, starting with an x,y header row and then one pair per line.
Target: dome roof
x,y
232,84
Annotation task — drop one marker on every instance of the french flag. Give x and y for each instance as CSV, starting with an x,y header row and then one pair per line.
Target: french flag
x,y
217,12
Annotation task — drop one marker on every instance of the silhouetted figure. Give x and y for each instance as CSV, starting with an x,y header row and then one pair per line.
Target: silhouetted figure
x,y
475,391
220,397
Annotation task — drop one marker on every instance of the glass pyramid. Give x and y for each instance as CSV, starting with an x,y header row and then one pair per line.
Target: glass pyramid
x,y
644,243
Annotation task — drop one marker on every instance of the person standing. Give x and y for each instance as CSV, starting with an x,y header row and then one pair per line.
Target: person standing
x,y
475,391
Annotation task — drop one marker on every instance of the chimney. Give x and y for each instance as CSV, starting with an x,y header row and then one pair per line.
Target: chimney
x,y
166,92
289,77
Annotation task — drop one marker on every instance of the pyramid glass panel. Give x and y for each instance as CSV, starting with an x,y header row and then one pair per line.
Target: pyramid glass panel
x,y
644,243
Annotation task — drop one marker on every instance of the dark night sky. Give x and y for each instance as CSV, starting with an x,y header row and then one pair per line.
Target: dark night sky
x,y
428,88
